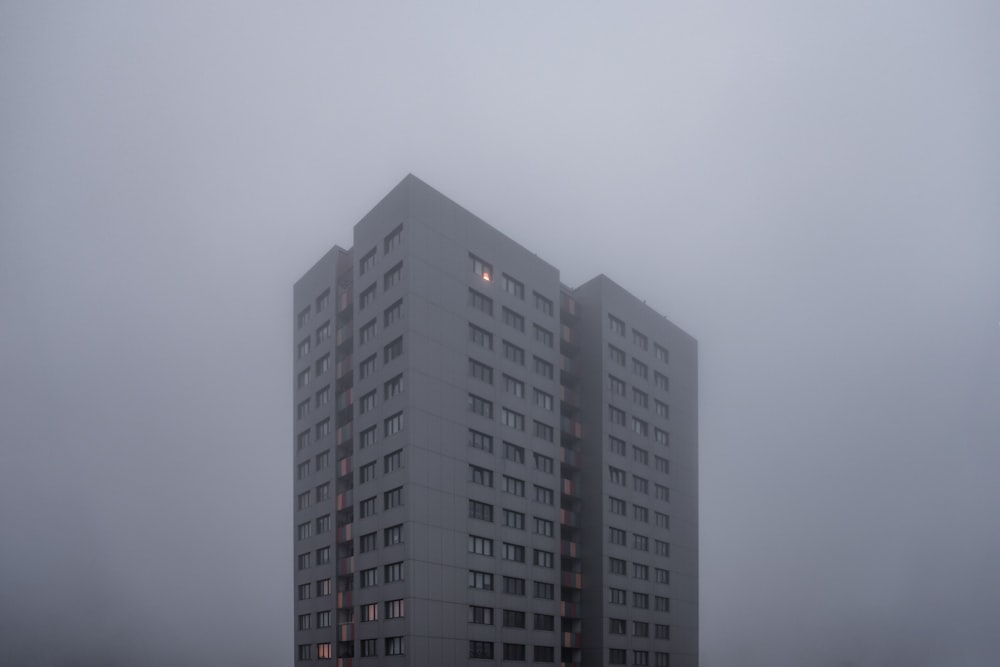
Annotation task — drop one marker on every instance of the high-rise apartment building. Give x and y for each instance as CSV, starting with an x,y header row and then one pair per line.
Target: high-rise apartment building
x,y
490,467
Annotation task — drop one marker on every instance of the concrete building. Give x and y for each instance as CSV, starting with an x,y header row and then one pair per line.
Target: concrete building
x,y
490,467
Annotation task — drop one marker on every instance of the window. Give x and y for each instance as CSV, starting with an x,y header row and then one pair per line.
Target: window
x,y
617,356
513,386
393,350
368,648
323,332
616,386
617,626
661,603
544,368
304,500
302,440
482,269
544,432
392,277
393,387
393,572
640,427
394,609
543,304
368,331
513,319
640,542
661,576
303,378
512,419
513,519
303,317
640,513
513,652
662,409
616,476
616,415
616,506
369,577
323,301
543,400
662,520
616,445
662,548
640,397
480,580
513,552
513,586
305,591
661,436
480,615
323,557
323,396
367,262
662,659
544,591
305,561
543,558
543,336
393,535
616,566
323,588
305,652
661,381
480,371
480,545
480,302
366,297
480,650
481,406
640,455
616,325
662,464
640,600
640,571
481,441
367,402
616,536
513,353
662,493
367,507
660,352
323,524
544,654
513,485
512,452
394,646
322,491
369,542
367,437
392,461
392,314
640,484
545,622
367,367
661,631
544,527
392,498
481,511
543,495
480,337
640,658
639,339
324,619
369,612
393,239
394,424
544,463
303,348
302,470
302,410
323,429
513,619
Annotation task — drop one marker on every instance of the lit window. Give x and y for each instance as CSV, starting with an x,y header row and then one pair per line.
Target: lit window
x,y
482,269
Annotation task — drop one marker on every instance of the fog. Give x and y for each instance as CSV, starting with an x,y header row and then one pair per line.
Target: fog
x,y
811,190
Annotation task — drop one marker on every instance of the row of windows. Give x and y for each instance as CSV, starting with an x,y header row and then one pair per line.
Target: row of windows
x,y
368,578
619,656
369,648
391,241
619,626
511,352
639,455
511,384
322,304
390,462
639,512
484,270
639,339
324,587
390,499
639,570
510,418
483,650
638,426
511,618
619,477
619,596
390,388
511,585
639,397
305,560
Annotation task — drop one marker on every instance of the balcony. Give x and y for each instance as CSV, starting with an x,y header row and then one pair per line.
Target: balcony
x,y
569,457
345,466
345,632
571,427
345,532
345,366
345,433
569,397
344,301
344,334
345,499
345,566
572,580
345,662
345,600
569,549
571,640
568,487
567,306
569,609
568,518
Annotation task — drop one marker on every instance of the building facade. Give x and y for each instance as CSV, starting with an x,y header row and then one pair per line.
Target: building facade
x,y
489,467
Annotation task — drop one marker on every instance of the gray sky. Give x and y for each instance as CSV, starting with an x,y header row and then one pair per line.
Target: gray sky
x,y
810,189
